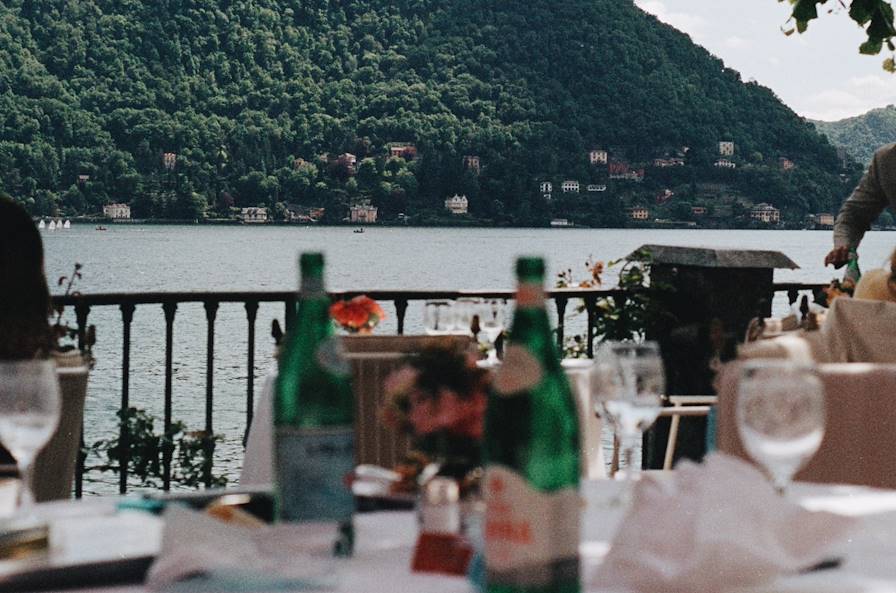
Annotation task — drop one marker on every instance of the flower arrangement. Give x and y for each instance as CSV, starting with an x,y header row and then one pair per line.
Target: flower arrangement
x,y
439,398
358,315
837,289
594,269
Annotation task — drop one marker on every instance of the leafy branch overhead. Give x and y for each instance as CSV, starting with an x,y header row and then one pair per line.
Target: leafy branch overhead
x,y
874,16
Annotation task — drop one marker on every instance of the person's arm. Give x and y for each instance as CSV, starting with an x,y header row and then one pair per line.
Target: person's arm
x,y
857,213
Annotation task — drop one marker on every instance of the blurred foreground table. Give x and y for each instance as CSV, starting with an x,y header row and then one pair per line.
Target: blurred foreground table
x,y
92,529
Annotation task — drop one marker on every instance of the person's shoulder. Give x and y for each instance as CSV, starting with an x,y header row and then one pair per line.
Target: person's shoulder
x,y
886,153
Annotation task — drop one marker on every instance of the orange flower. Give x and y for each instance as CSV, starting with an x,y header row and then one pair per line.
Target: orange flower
x,y
360,313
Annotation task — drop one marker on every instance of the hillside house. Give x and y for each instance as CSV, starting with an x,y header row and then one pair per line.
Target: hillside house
x,y
472,163
825,219
297,163
597,188
457,204
83,179
725,164
363,214
726,148
570,186
348,161
698,210
597,156
639,213
668,162
407,152
169,160
785,163
765,213
546,187
303,215
254,215
117,211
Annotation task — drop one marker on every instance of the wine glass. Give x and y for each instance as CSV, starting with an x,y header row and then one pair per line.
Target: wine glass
x,y
780,416
438,317
491,324
29,414
629,386
464,311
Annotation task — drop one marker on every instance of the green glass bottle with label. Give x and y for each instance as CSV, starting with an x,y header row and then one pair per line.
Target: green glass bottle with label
x,y
532,456
314,415
852,273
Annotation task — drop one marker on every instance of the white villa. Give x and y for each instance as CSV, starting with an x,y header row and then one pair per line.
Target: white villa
x,y
363,214
597,157
765,213
117,211
570,186
456,204
726,148
725,164
254,215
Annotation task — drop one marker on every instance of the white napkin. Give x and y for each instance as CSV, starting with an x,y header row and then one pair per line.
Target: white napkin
x,y
242,558
714,527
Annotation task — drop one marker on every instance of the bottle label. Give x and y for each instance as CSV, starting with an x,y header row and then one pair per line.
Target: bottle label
x,y
519,373
531,537
331,357
314,468
530,295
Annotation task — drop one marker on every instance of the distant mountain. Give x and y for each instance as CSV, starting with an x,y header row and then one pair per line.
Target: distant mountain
x,y
252,100
863,134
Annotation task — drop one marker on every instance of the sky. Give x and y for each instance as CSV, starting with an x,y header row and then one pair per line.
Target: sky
x,y
819,74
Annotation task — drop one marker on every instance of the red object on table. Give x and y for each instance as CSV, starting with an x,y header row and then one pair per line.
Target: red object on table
x,y
445,553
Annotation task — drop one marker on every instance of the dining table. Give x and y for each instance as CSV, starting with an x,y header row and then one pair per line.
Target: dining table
x,y
98,529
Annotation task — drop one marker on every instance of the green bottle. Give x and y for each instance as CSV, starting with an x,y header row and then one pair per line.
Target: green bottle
x,y
532,457
314,415
852,272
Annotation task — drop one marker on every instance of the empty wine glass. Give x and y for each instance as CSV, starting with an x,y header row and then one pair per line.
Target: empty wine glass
x,y
464,311
780,416
491,324
628,389
438,318
29,414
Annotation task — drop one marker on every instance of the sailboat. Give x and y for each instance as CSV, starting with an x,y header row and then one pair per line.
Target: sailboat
x,y
52,226
67,225
41,225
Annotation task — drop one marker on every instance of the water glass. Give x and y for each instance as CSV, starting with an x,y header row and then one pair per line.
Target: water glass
x,y
628,389
29,414
465,309
438,318
780,416
491,324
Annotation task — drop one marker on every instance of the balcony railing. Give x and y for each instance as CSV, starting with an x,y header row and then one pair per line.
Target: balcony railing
x,y
127,303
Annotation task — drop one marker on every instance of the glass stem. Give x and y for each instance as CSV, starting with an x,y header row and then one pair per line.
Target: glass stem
x,y
26,496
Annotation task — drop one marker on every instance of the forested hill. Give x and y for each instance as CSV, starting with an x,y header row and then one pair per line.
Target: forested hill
x,y
93,93
864,134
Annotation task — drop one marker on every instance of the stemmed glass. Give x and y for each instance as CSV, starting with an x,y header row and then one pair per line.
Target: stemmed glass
x,y
29,414
629,386
438,318
491,324
464,310
780,416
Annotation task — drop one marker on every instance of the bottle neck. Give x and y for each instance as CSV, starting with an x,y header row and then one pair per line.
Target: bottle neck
x,y
312,286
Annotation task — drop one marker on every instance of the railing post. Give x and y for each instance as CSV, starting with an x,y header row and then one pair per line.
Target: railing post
x,y
401,307
251,316
560,303
591,308
124,437
211,312
82,310
792,295
170,309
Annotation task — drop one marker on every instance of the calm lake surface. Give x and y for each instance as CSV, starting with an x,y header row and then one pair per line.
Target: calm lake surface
x,y
135,258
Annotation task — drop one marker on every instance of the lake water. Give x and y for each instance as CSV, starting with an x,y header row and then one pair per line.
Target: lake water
x,y
134,258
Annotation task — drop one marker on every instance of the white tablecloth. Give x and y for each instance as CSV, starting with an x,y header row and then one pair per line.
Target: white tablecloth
x,y
385,541
258,464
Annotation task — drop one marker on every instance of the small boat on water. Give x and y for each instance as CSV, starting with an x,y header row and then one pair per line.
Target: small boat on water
x,y
101,228
41,225
358,230
67,224
51,226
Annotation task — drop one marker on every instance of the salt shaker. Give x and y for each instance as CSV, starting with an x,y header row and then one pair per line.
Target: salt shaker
x,y
440,506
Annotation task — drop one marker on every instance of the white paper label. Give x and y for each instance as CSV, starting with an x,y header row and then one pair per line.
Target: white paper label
x,y
531,537
519,372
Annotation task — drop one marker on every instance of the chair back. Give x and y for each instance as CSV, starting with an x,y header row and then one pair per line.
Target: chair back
x,y
859,439
54,467
859,330
372,359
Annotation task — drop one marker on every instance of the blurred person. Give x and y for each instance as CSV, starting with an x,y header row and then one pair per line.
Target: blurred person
x,y
878,284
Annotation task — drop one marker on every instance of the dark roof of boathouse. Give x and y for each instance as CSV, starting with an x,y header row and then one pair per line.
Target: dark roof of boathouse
x,y
704,257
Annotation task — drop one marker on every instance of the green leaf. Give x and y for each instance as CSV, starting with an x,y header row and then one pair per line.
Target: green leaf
x,y
804,11
871,47
890,65
861,11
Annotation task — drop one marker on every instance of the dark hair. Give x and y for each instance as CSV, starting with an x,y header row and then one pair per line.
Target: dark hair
x,y
24,296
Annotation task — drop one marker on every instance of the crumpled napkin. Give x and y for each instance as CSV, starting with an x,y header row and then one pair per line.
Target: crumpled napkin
x,y
213,555
713,527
